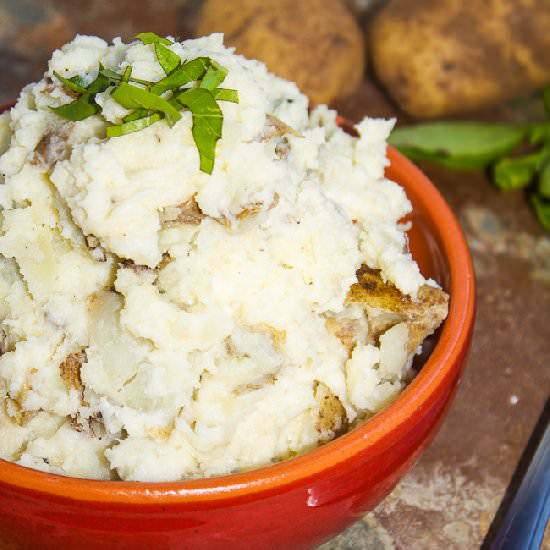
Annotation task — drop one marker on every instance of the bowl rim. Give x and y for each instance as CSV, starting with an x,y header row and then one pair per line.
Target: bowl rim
x,y
453,339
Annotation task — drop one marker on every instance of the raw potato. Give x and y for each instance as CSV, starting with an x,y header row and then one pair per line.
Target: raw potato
x,y
315,43
441,57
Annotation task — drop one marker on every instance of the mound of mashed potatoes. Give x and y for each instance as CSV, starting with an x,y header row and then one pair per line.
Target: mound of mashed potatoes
x,y
159,323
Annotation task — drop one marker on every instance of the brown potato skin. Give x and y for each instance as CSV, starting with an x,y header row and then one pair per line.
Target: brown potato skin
x,y
315,43
443,57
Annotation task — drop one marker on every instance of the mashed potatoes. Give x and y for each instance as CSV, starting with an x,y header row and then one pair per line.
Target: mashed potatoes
x,y
160,323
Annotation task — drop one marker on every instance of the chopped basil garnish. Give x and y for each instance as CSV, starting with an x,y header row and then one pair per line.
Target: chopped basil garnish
x,y
152,38
132,97
153,101
75,83
133,125
85,105
225,94
127,74
134,115
188,72
169,61
79,109
215,75
115,77
207,123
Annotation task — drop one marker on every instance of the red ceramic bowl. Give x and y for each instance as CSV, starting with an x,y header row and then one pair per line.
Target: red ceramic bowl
x,y
294,504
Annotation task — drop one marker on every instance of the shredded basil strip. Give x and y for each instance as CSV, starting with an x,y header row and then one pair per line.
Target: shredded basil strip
x,y
225,94
214,76
132,97
133,126
188,72
79,109
146,104
84,106
152,38
207,123
75,83
127,74
111,75
169,61
138,113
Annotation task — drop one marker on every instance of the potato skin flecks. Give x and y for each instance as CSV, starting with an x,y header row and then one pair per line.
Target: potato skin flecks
x,y
69,370
388,306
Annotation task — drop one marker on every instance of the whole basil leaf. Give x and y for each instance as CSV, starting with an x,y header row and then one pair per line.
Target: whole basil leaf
x,y
188,72
466,145
539,132
169,61
132,97
207,123
544,181
542,209
546,99
516,173
152,38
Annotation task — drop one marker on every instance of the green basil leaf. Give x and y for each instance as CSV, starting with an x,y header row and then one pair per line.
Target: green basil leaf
x,y
108,73
127,74
169,61
132,97
152,38
188,72
79,109
111,75
544,180
516,173
207,123
539,132
542,210
214,76
546,99
100,84
138,113
225,94
75,83
133,126
466,145
84,106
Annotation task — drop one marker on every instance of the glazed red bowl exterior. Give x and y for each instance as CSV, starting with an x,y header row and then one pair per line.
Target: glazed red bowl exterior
x,y
298,503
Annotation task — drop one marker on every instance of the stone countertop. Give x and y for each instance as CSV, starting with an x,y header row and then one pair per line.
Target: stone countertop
x,y
450,497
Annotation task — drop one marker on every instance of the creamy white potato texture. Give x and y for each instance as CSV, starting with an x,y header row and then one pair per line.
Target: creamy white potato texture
x,y
160,323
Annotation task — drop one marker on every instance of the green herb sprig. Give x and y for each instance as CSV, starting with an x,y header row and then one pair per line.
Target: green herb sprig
x,y
470,145
150,102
